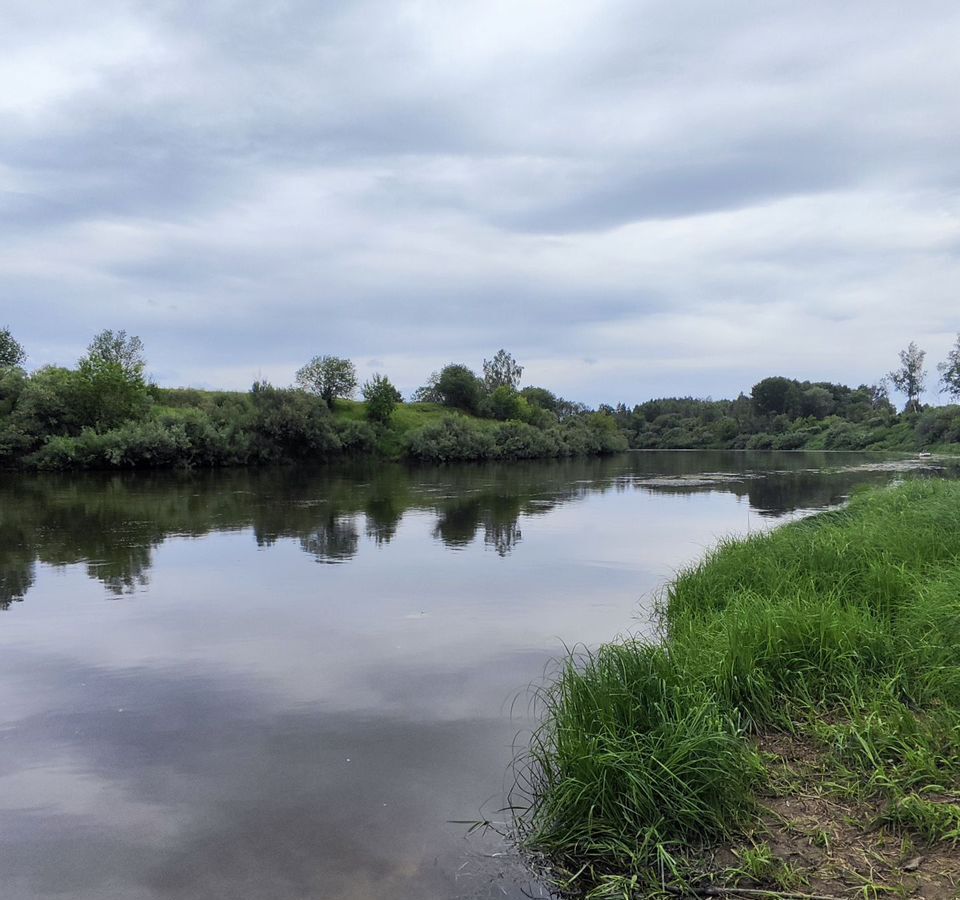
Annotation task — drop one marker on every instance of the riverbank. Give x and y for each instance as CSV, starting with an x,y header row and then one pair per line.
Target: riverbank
x,y
208,429
798,729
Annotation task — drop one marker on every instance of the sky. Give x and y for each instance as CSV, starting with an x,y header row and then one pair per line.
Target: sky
x,y
636,199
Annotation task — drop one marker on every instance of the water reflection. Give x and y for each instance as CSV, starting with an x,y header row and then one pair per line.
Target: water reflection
x,y
112,524
286,683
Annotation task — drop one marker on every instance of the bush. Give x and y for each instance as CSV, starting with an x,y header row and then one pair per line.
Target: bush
x,y
454,438
381,397
291,424
355,437
516,440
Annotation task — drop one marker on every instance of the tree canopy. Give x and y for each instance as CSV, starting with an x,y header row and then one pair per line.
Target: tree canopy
x,y
950,371
458,387
116,348
501,371
11,350
328,376
381,397
910,378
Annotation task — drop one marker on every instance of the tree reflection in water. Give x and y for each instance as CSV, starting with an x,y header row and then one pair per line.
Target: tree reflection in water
x,y
111,524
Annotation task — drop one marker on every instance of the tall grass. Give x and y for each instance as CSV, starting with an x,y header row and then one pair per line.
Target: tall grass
x,y
844,627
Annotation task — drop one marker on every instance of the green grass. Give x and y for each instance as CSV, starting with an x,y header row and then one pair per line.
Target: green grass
x,y
843,629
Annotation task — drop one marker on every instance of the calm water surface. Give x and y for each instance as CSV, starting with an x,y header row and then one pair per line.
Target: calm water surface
x,y
286,684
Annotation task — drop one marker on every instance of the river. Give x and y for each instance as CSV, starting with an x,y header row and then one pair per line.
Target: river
x,y
298,683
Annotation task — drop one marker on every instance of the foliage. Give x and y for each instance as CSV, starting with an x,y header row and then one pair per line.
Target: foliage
x,y
109,348
382,398
461,438
541,397
459,388
427,393
501,371
291,424
910,378
110,387
842,629
11,351
949,371
328,376
505,403
454,438
775,396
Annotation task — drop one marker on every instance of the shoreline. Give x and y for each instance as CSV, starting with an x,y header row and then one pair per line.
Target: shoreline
x,y
797,731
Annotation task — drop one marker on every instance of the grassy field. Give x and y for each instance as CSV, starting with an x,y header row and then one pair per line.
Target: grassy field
x,y
797,730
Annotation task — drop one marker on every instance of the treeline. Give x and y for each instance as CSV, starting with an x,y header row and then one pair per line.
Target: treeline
x,y
104,414
787,414
842,418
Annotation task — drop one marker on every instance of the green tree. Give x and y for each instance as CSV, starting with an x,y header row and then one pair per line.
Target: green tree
x,y
950,371
505,403
328,376
459,388
111,384
501,371
11,350
775,396
910,378
382,398
538,396
428,393
816,401
110,348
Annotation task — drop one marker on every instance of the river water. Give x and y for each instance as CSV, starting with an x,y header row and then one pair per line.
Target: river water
x,y
299,684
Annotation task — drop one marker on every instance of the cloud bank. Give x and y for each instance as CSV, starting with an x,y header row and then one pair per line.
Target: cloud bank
x,y
635,198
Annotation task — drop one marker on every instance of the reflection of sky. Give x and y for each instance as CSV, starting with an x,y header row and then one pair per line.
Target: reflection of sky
x,y
251,723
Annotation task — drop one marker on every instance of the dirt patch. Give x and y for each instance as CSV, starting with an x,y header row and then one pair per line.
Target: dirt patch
x,y
815,839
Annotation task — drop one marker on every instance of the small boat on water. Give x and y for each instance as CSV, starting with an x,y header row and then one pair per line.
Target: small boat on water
x,y
924,455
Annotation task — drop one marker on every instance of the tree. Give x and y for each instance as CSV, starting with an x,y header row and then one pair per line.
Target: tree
x,y
816,401
328,376
459,388
110,348
538,396
505,403
427,393
111,384
501,371
11,351
910,378
879,395
950,371
775,396
382,398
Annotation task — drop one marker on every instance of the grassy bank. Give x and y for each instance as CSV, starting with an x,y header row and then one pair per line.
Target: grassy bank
x,y
797,729
41,427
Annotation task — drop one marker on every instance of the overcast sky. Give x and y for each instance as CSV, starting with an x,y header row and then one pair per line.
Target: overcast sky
x,y
635,198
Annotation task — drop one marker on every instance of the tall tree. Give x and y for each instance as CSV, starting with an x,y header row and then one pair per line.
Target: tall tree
x,y
775,396
910,378
950,371
501,371
117,348
11,350
328,376
111,384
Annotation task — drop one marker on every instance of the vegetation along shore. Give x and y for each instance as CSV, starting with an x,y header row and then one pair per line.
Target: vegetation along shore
x,y
105,413
796,730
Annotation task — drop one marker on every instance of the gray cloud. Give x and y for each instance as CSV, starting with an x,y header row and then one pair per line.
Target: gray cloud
x,y
670,191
